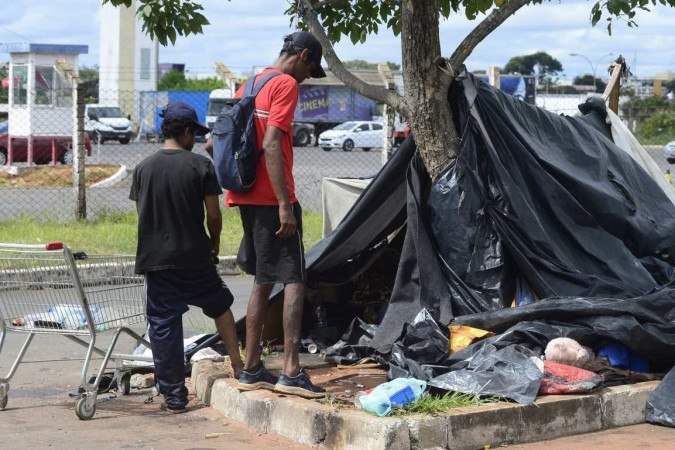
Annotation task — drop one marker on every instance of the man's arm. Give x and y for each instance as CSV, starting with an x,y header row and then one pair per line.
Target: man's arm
x,y
214,222
209,147
275,168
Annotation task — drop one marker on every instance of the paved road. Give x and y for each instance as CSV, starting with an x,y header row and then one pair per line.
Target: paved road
x,y
40,411
311,165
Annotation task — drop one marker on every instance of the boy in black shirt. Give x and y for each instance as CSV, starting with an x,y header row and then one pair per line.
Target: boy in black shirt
x,y
171,189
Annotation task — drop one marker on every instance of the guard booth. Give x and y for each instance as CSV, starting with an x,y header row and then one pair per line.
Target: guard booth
x,y
40,100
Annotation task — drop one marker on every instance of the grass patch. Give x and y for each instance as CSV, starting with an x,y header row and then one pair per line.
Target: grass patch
x,y
116,232
433,405
55,176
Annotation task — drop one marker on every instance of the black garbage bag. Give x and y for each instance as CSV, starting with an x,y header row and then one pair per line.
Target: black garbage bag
x,y
354,344
644,324
494,366
661,402
513,372
422,350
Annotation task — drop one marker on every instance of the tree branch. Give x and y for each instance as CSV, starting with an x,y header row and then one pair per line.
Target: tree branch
x,y
327,2
487,26
377,93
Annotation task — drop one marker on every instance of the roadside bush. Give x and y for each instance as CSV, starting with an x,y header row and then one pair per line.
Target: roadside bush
x,y
657,129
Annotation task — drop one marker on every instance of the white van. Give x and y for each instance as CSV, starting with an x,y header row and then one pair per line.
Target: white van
x,y
218,98
107,123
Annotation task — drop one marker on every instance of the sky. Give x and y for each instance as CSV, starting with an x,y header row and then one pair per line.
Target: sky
x,y
248,33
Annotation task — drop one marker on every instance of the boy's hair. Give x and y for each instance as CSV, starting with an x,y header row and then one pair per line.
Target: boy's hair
x,y
174,127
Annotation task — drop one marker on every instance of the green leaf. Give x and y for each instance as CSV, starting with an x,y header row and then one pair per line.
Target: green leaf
x,y
484,5
471,10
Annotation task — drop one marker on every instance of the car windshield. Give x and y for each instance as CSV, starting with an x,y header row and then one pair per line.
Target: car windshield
x,y
4,126
106,111
345,126
216,105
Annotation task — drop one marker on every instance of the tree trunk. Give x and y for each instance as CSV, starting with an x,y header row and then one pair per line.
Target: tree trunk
x,y
426,85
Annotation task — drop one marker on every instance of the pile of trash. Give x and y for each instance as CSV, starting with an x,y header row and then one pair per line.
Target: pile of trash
x,y
543,227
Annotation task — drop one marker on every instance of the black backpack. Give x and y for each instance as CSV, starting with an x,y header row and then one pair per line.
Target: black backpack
x,y
235,150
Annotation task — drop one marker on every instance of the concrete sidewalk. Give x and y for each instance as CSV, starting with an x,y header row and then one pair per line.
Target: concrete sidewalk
x,y
316,424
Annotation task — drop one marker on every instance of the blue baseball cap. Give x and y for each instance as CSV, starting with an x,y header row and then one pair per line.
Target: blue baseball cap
x,y
182,110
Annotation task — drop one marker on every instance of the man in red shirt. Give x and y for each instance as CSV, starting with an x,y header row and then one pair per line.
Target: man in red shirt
x,y
271,248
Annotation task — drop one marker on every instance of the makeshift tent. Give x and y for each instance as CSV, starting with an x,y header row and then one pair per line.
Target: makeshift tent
x,y
545,202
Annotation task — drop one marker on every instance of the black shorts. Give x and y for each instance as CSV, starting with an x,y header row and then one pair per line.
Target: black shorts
x,y
261,253
169,292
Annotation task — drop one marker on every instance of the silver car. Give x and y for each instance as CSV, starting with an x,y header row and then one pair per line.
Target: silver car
x,y
669,150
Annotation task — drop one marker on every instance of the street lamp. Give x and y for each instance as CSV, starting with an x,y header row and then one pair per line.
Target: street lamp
x,y
594,67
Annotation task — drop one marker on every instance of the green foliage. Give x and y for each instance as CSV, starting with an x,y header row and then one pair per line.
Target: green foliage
x,y
658,128
175,81
670,85
355,19
545,65
359,64
89,79
639,108
587,80
114,232
165,19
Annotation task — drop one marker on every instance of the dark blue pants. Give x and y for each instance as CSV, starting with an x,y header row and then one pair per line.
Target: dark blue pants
x,y
169,292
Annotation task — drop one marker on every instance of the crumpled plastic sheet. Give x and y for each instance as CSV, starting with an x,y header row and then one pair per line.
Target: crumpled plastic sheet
x,y
513,372
354,343
660,405
488,367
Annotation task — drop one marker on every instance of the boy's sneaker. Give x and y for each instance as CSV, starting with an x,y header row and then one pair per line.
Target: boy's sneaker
x,y
256,378
299,385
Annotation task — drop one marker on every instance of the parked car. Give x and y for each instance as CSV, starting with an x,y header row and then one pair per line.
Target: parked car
x,y
42,148
347,135
107,123
669,150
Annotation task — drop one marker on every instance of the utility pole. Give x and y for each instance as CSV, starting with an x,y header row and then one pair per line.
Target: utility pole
x,y
79,185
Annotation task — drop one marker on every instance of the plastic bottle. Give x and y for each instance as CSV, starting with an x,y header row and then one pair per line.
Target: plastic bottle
x,y
395,393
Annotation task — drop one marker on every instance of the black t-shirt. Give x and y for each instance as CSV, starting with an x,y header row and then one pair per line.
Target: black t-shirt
x,y
169,188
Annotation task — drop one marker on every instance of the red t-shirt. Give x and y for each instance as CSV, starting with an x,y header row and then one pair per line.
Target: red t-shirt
x,y
274,106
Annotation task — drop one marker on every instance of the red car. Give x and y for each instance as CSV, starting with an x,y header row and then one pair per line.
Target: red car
x,y
42,148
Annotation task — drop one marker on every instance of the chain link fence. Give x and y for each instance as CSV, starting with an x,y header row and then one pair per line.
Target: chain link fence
x,y
337,134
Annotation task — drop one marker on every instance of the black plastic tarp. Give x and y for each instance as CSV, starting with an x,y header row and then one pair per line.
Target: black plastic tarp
x,y
535,195
544,199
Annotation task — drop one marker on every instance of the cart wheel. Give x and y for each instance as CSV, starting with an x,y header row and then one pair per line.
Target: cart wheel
x,y
3,402
124,385
83,411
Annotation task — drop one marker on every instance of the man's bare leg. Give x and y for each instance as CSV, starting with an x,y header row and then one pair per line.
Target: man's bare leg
x,y
255,319
293,299
228,334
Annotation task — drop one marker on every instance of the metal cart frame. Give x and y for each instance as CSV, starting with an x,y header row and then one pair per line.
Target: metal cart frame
x,y
46,289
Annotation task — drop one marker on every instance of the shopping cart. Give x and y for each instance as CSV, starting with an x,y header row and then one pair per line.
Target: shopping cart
x,y
46,289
